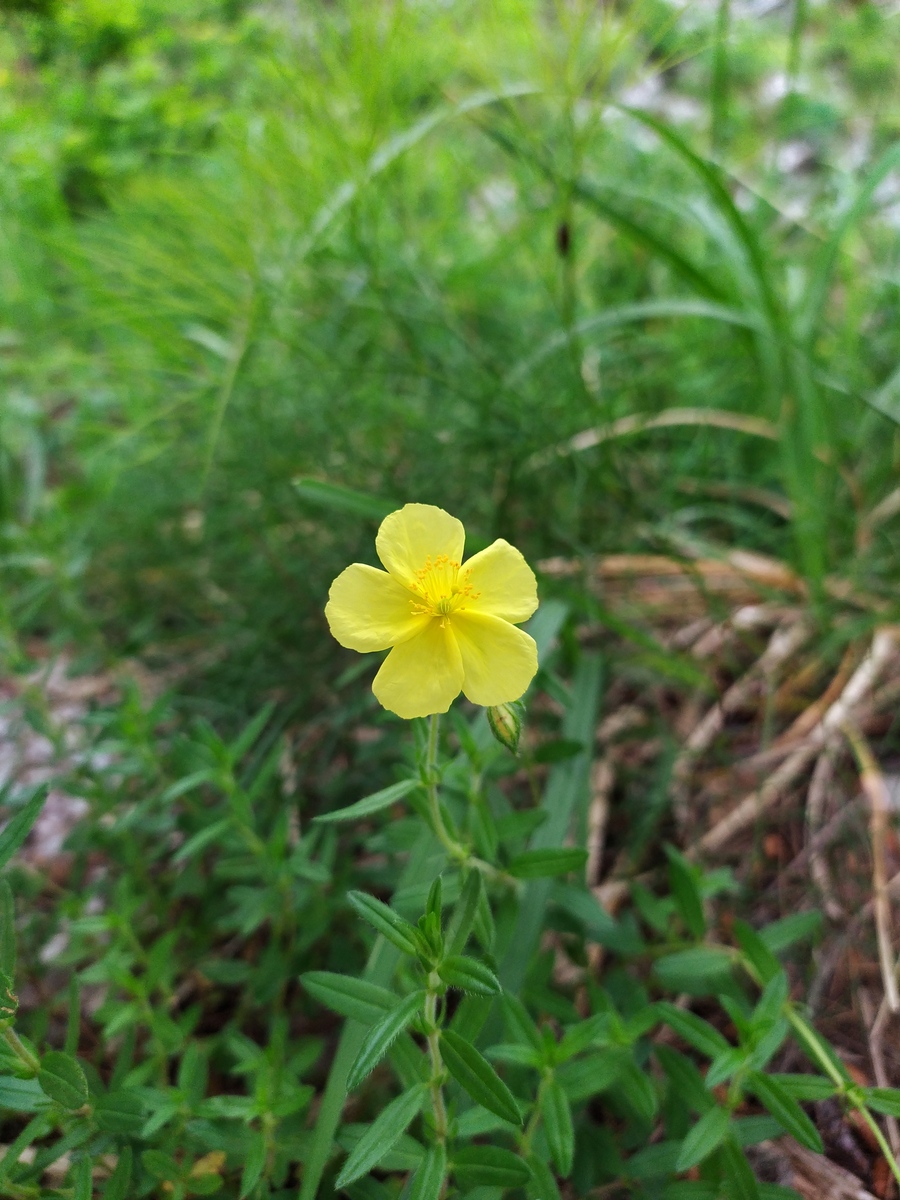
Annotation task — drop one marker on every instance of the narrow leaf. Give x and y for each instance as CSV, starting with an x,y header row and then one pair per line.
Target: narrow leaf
x,y
478,1077
7,930
370,804
693,1029
488,1166
18,828
380,1037
464,914
119,1183
884,1100
785,1109
381,1135
428,1181
686,893
542,864
469,975
397,931
353,998
706,1136
557,1117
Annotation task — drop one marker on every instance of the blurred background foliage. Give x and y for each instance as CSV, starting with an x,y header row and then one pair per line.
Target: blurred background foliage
x,y
404,248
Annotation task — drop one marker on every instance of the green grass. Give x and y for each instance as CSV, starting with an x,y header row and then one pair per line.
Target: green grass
x,y
266,272
356,280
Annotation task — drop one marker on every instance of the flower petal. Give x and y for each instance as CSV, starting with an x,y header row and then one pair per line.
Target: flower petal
x,y
421,676
499,660
368,609
506,583
408,536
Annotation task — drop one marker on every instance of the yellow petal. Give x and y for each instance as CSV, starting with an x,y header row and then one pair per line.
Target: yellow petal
x,y
414,532
502,582
421,676
368,609
499,660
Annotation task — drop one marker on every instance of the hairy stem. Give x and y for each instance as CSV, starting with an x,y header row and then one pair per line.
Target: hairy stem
x,y
437,1063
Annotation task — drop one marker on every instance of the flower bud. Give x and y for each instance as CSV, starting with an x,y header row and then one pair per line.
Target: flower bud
x,y
505,721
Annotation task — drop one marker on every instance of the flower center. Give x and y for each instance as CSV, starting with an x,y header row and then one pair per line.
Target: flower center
x,y
440,589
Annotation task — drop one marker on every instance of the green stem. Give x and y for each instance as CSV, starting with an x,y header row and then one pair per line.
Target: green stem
x,y
810,1039
456,850
437,1062
20,1050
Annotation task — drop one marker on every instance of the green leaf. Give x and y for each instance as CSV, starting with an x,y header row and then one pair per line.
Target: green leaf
x,y
120,1112
698,971
780,935
160,1165
557,1118
654,1161
254,1162
771,1003
7,930
82,1179
332,497
19,826
201,839
516,1055
686,893
757,952
706,1136
370,804
469,975
353,998
381,1035
464,914
428,1181
584,906
381,1135
542,864
518,1022
636,1089
739,1175
692,1029
434,905
478,1077
488,1166
379,969
807,1087
687,1082
21,1095
118,1185
592,1074
725,1065
883,1100
566,794
542,1185
391,926
405,1155
784,1108
63,1080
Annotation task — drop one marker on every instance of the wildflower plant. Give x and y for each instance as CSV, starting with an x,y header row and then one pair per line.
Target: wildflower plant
x,y
496,1098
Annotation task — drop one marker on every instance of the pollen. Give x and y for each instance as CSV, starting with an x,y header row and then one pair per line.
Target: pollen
x,y
439,588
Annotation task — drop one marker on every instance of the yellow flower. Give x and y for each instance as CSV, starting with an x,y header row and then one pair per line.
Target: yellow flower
x,y
451,625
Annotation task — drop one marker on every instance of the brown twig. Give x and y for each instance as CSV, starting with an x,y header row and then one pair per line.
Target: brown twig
x,y
874,787
858,689
819,787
